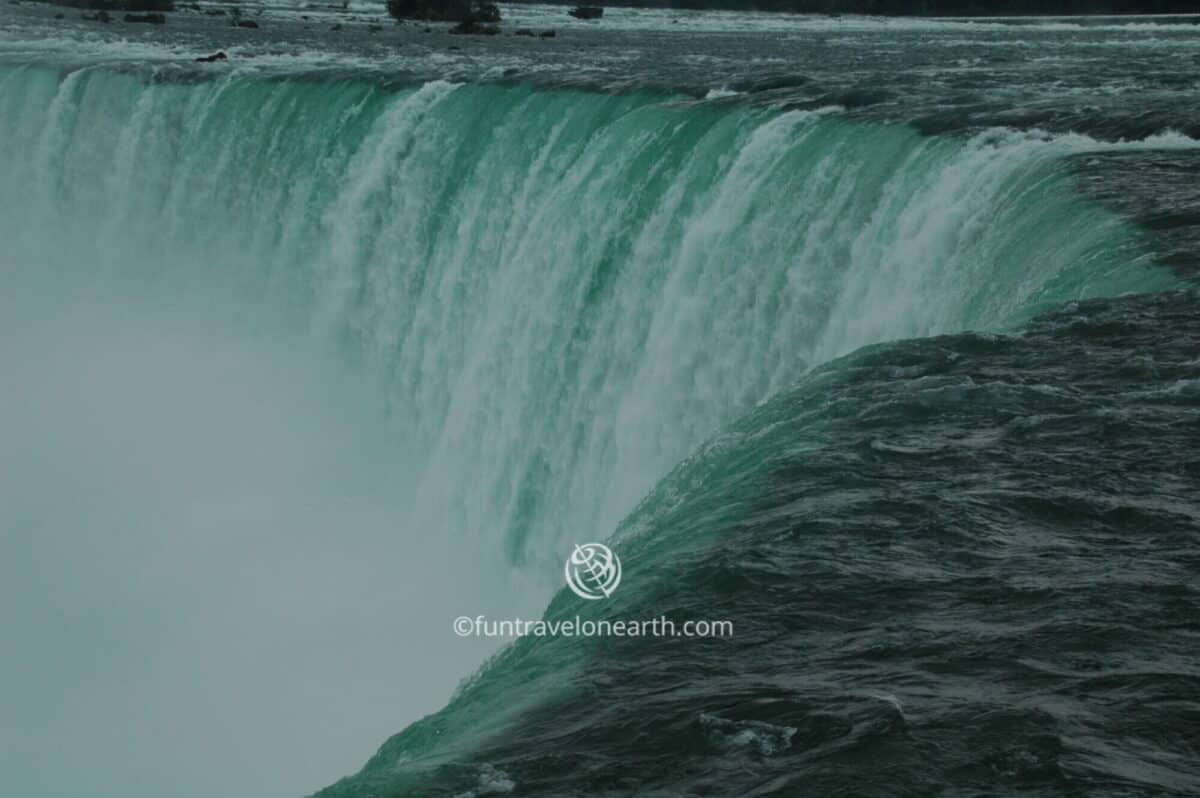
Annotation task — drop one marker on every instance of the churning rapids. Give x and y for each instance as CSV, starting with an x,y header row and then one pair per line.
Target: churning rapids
x,y
878,338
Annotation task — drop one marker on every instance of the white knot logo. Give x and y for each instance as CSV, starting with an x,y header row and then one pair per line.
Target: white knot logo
x,y
593,571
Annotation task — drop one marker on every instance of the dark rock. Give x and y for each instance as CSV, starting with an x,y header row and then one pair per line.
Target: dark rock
x,y
336,26
445,10
99,16
472,27
215,12
522,32
217,56
374,28
153,18
587,12
246,23
115,5
59,16
547,34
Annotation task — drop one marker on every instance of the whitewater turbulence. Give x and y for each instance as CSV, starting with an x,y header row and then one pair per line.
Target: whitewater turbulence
x,y
319,365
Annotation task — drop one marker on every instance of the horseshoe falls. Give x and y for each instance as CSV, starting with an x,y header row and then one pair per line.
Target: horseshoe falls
x,y
299,367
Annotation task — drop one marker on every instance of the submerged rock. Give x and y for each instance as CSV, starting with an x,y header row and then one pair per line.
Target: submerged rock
x,y
547,34
246,23
153,18
587,12
480,21
217,56
486,12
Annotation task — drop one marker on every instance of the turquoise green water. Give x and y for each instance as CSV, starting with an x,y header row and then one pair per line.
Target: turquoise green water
x,y
625,274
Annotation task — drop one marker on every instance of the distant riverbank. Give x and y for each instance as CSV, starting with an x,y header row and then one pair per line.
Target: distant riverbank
x,y
933,8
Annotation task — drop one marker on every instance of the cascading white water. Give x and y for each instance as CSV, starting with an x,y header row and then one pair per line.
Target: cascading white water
x,y
315,367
